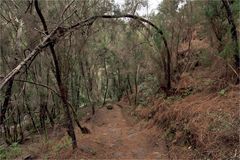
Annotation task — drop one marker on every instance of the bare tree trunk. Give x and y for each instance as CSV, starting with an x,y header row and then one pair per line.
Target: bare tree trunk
x,y
168,71
49,116
106,90
190,29
42,114
8,95
117,84
25,104
31,117
89,76
78,89
20,125
128,96
129,84
72,88
136,85
62,88
233,32
86,87
218,35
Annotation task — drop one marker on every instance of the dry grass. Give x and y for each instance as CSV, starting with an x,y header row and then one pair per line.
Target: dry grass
x,y
202,125
202,122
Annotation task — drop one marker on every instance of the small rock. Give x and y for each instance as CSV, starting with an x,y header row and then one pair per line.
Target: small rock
x,y
118,154
28,157
88,150
85,130
109,106
112,145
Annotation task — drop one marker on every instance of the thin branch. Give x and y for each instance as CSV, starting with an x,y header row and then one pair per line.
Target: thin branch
x,y
233,70
59,32
30,57
15,5
40,31
66,8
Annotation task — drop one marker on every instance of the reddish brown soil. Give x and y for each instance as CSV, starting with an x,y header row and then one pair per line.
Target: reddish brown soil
x,y
114,135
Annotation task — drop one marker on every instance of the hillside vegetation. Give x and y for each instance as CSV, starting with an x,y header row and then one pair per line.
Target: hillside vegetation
x,y
94,79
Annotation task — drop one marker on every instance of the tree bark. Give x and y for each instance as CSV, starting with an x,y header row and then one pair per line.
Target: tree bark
x,y
106,73
59,32
8,95
62,88
136,84
86,87
233,32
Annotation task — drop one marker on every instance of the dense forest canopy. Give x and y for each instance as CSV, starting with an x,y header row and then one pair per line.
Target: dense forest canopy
x,y
59,58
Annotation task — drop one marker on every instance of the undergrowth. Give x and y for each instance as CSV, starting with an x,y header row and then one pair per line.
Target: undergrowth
x,y
10,152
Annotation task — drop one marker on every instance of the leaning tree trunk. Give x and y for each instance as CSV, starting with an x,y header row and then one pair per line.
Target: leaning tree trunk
x,y
59,32
62,88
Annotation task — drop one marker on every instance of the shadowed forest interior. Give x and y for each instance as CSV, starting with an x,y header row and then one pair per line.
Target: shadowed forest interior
x,y
119,79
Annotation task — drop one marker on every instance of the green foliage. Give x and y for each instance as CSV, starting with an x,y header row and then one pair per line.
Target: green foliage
x,y
83,99
3,153
222,122
222,92
174,98
65,144
11,152
236,9
227,51
187,92
213,9
170,134
157,40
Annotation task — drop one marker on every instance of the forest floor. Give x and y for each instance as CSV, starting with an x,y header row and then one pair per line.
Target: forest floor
x,y
170,129
199,121
115,135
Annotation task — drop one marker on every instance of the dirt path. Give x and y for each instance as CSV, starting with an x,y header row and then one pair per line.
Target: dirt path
x,y
113,137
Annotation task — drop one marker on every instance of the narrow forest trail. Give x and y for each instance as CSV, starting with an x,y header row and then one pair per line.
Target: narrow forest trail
x,y
114,137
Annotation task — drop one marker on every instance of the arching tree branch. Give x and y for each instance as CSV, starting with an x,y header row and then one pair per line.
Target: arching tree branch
x,y
59,32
